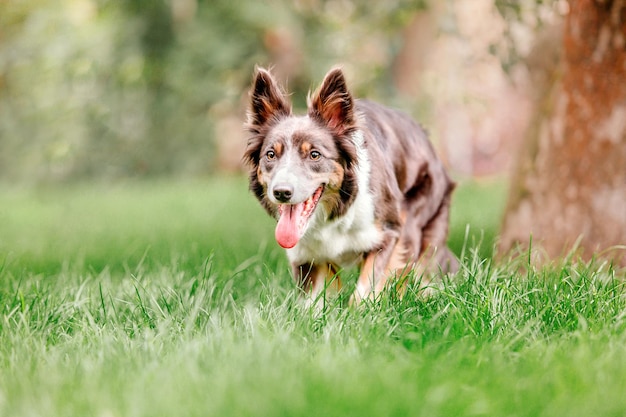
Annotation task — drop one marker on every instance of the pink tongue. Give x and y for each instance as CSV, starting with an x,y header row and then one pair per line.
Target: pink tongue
x,y
288,228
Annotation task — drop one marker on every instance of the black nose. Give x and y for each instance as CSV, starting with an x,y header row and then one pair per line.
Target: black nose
x,y
283,192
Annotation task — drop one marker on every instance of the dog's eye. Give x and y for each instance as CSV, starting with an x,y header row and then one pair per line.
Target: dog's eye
x,y
315,155
270,155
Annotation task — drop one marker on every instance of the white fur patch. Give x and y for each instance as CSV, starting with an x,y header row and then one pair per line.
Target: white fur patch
x,y
343,240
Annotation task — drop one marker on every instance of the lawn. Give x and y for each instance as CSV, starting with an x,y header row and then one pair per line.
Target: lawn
x,y
171,298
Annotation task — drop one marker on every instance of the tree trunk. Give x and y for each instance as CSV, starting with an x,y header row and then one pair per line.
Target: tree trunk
x,y
569,190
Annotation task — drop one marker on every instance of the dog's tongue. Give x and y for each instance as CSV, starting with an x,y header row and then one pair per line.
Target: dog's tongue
x,y
288,229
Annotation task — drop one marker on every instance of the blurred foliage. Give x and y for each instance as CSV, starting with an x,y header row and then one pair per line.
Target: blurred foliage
x,y
107,89
522,15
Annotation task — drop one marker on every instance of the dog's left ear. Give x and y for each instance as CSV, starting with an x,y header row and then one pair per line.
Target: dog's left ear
x,y
332,104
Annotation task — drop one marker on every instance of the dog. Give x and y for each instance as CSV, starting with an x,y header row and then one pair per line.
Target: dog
x,y
350,183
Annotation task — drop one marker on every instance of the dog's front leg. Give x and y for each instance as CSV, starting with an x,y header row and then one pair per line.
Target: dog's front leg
x,y
378,266
316,280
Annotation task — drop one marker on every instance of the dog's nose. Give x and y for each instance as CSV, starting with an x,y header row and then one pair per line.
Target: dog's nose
x,y
283,192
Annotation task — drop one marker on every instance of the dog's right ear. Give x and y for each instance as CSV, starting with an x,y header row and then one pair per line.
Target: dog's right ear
x,y
267,100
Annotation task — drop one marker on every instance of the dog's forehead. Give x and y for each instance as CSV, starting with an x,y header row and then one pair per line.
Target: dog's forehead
x,y
297,128
290,125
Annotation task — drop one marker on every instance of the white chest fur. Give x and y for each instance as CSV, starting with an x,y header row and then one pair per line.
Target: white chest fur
x,y
343,240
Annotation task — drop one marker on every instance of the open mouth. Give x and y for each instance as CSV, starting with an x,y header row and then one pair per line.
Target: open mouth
x,y
293,219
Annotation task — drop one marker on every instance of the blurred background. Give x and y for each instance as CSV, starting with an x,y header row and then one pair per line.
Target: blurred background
x,y
101,89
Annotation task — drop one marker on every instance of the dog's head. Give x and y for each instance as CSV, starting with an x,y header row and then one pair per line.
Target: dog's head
x,y
302,167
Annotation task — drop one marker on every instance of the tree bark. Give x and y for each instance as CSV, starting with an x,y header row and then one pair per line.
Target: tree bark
x,y
569,191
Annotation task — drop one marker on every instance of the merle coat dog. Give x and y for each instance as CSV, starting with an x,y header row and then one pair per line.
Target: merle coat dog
x,y
350,183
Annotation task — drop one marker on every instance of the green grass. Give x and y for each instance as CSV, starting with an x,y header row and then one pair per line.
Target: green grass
x,y
172,299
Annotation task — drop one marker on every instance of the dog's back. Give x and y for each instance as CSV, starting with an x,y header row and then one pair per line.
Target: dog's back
x,y
407,172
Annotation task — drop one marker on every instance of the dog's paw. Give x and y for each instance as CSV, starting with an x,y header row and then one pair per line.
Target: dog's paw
x,y
362,293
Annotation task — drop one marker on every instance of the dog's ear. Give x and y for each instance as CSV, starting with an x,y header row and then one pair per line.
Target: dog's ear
x,y
267,100
332,104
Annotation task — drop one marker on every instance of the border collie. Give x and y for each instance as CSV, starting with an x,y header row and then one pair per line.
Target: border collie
x,y
349,183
